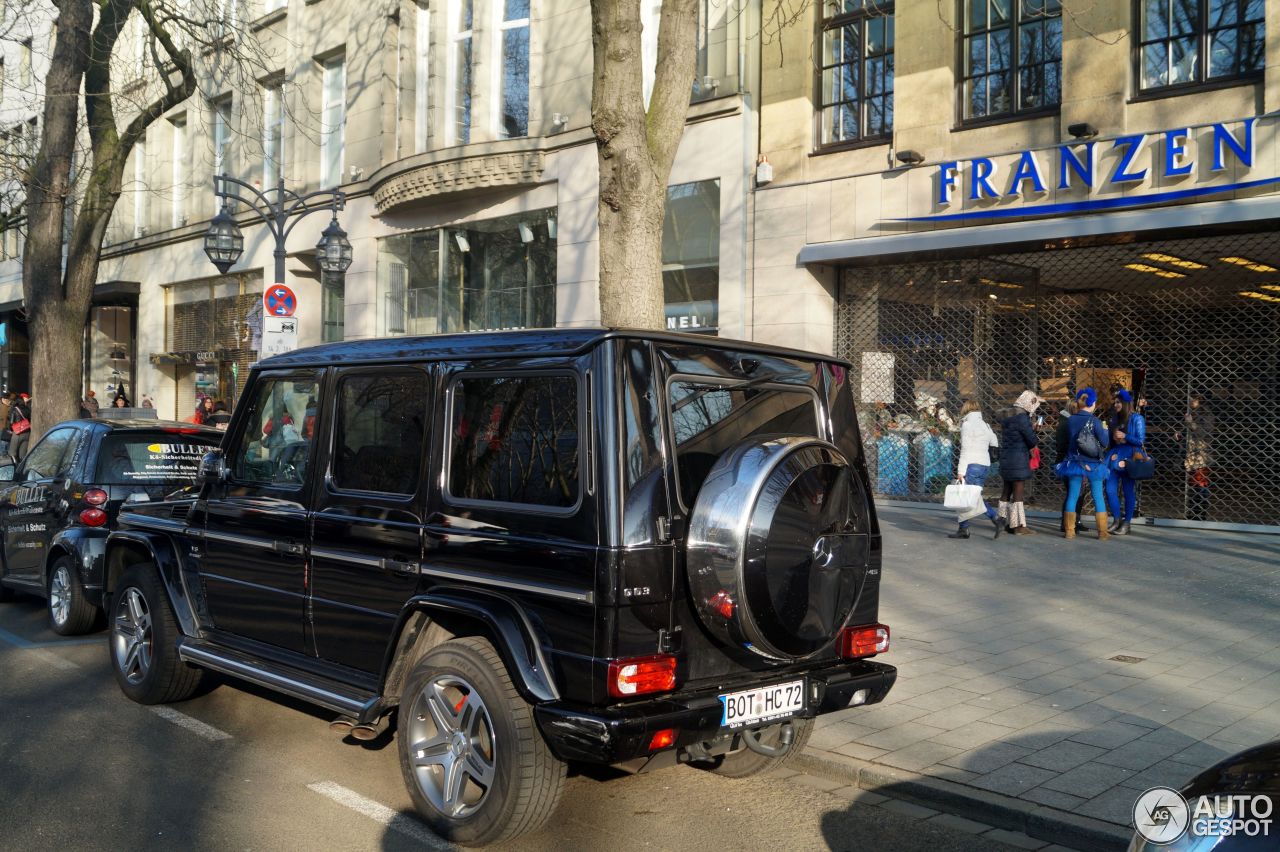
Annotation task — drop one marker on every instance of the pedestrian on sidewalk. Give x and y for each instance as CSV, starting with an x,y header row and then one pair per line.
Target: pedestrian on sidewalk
x,y
976,441
89,405
19,415
1087,462
1128,435
1061,443
1199,425
1017,439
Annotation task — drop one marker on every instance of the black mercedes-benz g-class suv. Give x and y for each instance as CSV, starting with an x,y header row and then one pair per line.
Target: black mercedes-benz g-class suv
x,y
617,547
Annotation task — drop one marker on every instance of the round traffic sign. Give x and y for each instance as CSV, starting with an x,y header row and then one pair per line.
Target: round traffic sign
x,y
280,301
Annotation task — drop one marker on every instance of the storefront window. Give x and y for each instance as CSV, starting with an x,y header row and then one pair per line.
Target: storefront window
x,y
482,276
857,70
213,330
15,355
109,347
691,256
1198,42
1012,56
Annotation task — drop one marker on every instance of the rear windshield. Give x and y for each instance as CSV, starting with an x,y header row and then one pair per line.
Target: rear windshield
x,y
142,458
709,418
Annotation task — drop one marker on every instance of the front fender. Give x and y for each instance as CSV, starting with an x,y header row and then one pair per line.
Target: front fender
x,y
124,547
86,547
514,636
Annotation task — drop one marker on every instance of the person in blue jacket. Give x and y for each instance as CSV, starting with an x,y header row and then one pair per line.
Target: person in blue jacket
x,y
1128,433
1078,467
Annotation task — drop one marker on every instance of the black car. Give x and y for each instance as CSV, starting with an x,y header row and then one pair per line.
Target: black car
x,y
627,548
58,504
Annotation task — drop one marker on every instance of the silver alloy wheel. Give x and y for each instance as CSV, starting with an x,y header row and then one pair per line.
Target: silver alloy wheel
x,y
131,637
60,594
452,746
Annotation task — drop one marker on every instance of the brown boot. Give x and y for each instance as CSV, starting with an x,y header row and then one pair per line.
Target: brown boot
x,y
1069,521
1100,518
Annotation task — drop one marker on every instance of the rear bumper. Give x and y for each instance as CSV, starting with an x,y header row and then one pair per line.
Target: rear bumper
x,y
622,733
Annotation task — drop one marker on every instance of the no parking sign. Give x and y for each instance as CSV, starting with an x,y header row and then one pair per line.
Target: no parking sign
x,y
279,301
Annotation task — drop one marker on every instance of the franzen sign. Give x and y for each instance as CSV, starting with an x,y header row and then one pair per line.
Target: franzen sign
x,y
1194,154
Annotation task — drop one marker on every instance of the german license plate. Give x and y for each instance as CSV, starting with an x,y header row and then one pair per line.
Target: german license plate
x,y
763,704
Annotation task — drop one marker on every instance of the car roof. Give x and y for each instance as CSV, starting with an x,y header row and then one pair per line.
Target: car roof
x,y
507,344
143,425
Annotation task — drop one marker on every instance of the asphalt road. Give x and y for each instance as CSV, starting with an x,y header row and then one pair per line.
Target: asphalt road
x,y
84,768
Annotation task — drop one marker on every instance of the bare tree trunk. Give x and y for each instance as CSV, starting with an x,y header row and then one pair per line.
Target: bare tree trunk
x,y
635,149
56,318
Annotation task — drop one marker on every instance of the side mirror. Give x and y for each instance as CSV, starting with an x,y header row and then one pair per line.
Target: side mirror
x,y
213,468
8,468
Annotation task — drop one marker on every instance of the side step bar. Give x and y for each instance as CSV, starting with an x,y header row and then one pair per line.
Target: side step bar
x,y
359,704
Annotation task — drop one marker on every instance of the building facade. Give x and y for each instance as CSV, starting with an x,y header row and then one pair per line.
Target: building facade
x,y
980,196
460,133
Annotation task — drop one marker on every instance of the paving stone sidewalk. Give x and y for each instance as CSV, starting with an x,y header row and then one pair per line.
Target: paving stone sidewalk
x,y
1073,674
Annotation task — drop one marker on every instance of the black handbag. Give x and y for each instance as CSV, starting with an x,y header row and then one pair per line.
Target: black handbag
x,y
1140,466
1087,443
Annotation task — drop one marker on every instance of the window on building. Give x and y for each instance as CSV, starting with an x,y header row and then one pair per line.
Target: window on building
x,y
691,256
3,78
179,213
24,66
1201,41
1012,57
515,440
481,276
856,97
422,80
140,35
272,134
380,431
221,116
141,192
512,41
269,6
458,89
333,118
333,306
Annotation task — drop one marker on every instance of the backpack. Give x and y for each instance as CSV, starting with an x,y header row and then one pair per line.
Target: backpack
x,y
1087,443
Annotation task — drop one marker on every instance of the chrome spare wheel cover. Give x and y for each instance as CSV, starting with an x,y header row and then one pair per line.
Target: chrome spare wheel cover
x,y
60,594
778,547
452,746
132,641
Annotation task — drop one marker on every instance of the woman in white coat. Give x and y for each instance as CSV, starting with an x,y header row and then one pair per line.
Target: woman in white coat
x,y
976,441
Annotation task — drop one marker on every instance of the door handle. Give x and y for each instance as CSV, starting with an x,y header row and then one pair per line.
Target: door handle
x,y
397,566
292,548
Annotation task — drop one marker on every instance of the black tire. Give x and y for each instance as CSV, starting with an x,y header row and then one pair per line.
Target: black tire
x,y
141,618
745,763
69,613
490,732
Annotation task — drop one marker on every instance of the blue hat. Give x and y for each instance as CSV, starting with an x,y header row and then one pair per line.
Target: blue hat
x,y
1124,395
1089,395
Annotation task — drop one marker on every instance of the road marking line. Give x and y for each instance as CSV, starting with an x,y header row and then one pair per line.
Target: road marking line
x,y
53,660
195,726
378,812
26,644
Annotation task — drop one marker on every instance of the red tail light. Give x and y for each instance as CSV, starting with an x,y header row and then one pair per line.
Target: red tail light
x,y
665,738
95,496
179,430
722,604
864,641
642,675
93,517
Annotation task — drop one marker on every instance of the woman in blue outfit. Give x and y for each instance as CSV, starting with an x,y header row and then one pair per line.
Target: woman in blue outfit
x,y
1078,467
1128,433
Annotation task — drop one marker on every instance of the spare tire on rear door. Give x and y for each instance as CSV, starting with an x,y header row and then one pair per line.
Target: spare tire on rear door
x,y
777,547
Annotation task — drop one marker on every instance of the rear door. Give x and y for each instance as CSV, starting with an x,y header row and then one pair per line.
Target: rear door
x,y
38,506
366,547
256,523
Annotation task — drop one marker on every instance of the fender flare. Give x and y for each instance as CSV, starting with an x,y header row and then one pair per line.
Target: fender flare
x,y
516,638
164,555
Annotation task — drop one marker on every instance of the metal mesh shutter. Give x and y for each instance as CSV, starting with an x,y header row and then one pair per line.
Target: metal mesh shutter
x,y
1173,319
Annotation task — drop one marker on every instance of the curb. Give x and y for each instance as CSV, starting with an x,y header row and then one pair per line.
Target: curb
x,y
1038,821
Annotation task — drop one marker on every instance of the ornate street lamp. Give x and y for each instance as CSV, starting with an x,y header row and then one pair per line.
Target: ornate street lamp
x,y
223,242
333,252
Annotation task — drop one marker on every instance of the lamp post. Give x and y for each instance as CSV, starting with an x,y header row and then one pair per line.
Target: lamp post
x,y
224,244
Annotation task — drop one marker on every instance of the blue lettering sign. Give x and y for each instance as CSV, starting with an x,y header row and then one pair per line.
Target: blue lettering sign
x,y
1028,170
1068,162
1222,138
946,180
1175,146
983,170
1130,146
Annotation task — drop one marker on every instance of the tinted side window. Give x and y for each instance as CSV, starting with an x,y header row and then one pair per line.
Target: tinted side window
x,y
515,440
280,429
381,422
46,459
